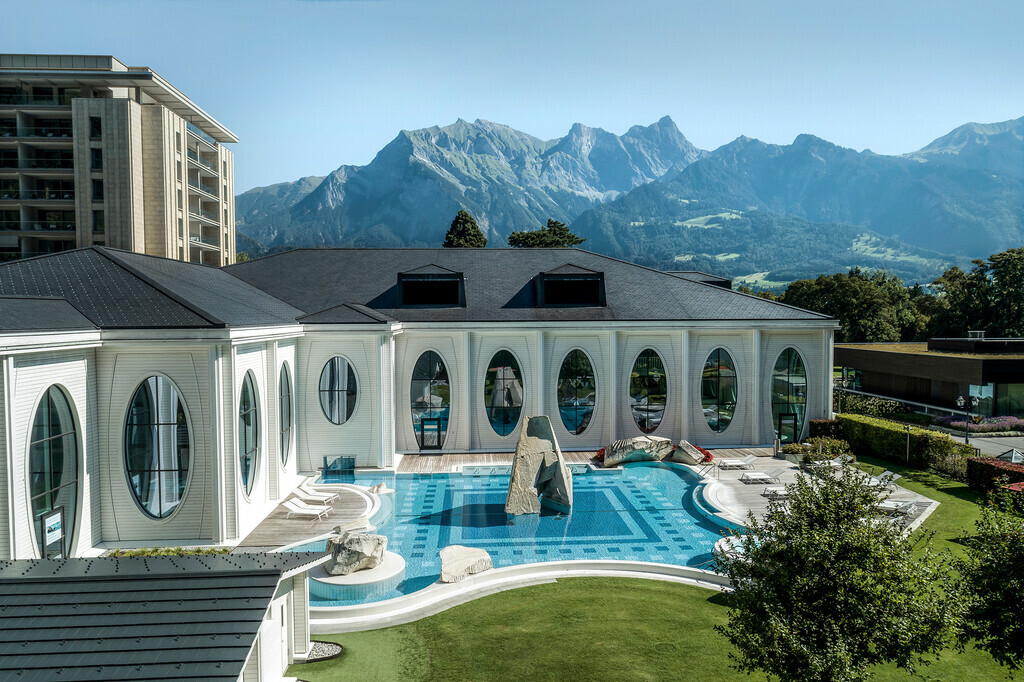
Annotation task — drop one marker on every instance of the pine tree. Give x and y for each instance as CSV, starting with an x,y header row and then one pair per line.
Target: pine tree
x,y
464,233
553,235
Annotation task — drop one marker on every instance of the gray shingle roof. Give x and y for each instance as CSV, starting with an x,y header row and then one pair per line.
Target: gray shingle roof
x,y
19,313
499,286
120,290
144,618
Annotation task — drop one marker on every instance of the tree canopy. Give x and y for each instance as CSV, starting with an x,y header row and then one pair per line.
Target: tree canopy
x,y
464,233
552,235
992,582
828,588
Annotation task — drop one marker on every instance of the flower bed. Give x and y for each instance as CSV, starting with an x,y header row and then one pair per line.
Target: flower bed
x,y
986,425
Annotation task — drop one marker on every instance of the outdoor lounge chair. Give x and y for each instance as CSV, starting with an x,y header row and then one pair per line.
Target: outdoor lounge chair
x,y
762,477
310,499
883,481
745,463
775,492
831,465
317,494
896,508
300,508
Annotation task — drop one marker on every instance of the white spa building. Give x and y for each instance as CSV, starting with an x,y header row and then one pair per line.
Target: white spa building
x,y
149,401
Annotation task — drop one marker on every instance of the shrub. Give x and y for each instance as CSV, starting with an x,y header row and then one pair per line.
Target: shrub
x,y
873,407
817,448
888,440
983,473
168,551
824,427
986,425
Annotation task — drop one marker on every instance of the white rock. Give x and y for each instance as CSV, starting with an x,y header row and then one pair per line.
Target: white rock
x,y
639,449
457,562
380,489
539,472
687,454
355,551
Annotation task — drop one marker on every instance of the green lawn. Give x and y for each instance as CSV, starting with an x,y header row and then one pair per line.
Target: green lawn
x,y
608,628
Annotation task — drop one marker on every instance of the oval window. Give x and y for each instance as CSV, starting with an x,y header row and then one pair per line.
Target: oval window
x,y
648,390
430,398
157,447
284,402
248,432
503,392
53,469
789,395
718,389
577,392
338,390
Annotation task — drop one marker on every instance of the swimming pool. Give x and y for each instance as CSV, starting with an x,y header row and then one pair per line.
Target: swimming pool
x,y
642,512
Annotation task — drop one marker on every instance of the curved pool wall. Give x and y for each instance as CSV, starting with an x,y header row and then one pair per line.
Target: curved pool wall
x,y
643,512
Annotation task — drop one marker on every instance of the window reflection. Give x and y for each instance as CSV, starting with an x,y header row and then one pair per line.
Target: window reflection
x,y
789,395
157,447
577,392
718,390
430,397
648,390
503,393
53,463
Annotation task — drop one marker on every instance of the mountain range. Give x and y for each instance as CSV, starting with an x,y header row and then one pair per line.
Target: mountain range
x,y
758,212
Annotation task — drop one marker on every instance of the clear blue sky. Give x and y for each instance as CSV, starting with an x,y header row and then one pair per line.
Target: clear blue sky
x,y
310,85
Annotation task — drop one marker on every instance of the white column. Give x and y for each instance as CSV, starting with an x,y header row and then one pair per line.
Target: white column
x,y
382,408
685,389
7,377
465,440
757,388
612,394
216,444
540,388
830,361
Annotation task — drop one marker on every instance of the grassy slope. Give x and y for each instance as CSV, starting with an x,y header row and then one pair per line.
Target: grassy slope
x,y
608,628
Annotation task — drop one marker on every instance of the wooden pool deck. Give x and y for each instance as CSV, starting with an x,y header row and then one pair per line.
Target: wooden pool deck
x,y
278,529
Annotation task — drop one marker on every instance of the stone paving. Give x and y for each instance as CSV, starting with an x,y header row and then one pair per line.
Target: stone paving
x,y
737,498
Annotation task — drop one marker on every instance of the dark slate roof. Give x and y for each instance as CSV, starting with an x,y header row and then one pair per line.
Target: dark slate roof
x,y
144,618
117,290
499,287
698,276
18,313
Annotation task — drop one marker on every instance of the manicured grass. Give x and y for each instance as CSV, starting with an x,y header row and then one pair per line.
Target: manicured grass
x,y
610,628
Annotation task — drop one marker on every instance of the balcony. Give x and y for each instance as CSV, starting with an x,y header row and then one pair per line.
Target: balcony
x,y
26,99
203,213
203,241
193,156
193,130
47,194
37,226
203,187
43,132
62,164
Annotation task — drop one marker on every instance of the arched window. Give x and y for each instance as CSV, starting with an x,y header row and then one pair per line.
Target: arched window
x,y
53,467
648,390
789,396
503,393
284,406
338,390
157,447
430,397
248,432
577,391
718,389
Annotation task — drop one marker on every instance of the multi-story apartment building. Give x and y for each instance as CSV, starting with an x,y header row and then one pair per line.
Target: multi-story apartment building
x,y
96,152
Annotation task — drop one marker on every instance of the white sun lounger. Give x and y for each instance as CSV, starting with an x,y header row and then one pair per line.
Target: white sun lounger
x,y
775,492
896,507
745,463
300,508
882,482
762,476
317,494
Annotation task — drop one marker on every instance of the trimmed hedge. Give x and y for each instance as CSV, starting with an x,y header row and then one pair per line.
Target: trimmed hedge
x,y
824,428
888,440
983,473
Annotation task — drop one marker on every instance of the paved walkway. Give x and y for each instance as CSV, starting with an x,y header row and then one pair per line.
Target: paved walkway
x,y
994,446
279,529
731,495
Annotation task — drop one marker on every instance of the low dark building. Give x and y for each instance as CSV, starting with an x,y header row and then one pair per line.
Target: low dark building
x,y
941,370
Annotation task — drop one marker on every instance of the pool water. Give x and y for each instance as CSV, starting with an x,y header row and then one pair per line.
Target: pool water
x,y
643,512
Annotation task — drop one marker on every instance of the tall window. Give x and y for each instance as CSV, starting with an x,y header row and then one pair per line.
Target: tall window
x,y
53,464
577,391
430,398
157,447
284,401
789,395
99,226
248,432
338,390
97,190
648,390
95,127
503,393
718,389
96,159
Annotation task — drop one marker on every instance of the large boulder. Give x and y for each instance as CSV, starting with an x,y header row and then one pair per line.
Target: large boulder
x,y
457,562
539,473
355,551
687,454
639,449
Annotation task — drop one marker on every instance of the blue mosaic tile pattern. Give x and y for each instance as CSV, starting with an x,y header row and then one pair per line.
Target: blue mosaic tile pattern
x,y
642,513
